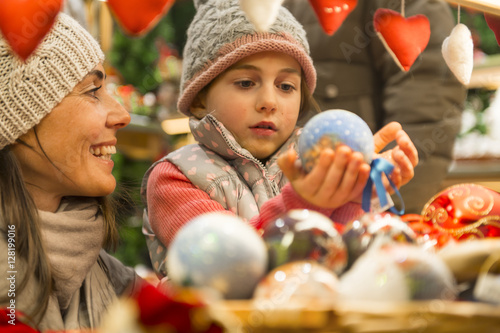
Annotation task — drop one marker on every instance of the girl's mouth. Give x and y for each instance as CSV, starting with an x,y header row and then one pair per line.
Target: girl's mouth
x,y
265,125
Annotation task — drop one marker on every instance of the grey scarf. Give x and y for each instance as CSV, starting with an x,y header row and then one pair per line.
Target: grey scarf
x,y
73,237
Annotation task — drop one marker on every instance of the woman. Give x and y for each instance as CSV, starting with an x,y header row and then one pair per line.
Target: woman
x,y
57,133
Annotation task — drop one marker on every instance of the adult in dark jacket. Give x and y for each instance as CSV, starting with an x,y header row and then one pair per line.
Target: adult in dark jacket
x,y
57,134
356,73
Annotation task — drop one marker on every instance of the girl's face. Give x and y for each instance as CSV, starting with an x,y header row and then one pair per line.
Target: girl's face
x,y
78,138
258,101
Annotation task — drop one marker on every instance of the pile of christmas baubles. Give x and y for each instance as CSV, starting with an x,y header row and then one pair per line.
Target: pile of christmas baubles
x,y
305,256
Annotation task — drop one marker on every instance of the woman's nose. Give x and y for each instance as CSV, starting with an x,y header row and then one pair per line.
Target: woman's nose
x,y
118,117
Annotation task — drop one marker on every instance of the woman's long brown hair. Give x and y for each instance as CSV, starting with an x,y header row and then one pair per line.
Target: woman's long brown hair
x,y
18,209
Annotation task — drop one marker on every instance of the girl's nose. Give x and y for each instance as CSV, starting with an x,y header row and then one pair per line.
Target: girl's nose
x,y
267,99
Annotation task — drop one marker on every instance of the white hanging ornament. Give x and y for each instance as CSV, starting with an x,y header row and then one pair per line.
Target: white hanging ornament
x,y
458,52
261,13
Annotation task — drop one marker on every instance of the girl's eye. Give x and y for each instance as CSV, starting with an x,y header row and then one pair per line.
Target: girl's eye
x,y
245,83
93,92
287,87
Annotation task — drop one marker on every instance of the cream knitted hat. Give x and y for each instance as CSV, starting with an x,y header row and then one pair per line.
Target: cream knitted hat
x,y
30,90
221,35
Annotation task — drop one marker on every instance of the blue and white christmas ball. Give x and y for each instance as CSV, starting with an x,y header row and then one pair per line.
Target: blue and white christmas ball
x,y
220,252
331,128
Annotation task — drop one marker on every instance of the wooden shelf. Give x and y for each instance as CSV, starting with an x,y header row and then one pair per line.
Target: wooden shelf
x,y
489,6
481,169
484,77
485,172
486,74
144,124
142,139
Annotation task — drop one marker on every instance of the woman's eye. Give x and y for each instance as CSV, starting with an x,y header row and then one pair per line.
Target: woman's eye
x,y
93,92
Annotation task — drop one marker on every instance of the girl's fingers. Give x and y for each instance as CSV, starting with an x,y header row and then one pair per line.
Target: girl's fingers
x,y
386,135
356,194
355,189
350,182
351,174
405,166
338,177
406,145
316,178
337,170
395,177
286,162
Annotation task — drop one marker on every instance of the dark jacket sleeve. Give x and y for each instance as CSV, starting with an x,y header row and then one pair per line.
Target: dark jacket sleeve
x,y
123,278
356,73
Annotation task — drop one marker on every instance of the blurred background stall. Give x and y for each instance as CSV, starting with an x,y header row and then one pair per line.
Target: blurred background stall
x,y
144,75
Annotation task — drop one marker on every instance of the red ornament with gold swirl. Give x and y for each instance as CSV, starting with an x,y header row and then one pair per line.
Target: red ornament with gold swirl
x,y
466,211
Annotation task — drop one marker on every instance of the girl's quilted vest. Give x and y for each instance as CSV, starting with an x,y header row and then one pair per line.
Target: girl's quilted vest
x,y
219,166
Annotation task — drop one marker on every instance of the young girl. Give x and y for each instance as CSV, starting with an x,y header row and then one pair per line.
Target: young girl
x,y
57,134
244,91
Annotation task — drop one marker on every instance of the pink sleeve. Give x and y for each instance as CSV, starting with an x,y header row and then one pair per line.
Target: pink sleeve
x,y
289,199
173,201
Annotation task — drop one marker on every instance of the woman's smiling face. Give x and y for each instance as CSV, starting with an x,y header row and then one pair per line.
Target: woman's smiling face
x,y
257,100
71,147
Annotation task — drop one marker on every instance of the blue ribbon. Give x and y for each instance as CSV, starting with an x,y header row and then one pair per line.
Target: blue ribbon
x,y
378,167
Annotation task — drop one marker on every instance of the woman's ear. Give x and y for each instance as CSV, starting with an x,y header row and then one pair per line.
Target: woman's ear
x,y
198,108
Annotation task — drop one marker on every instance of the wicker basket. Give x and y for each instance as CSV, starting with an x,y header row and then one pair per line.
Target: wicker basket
x,y
367,317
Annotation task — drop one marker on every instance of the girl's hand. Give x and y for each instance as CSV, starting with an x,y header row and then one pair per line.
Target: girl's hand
x,y
338,177
404,156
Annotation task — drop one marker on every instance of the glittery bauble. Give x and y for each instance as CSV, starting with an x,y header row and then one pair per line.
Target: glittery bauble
x,y
304,234
374,278
359,234
218,251
331,128
398,272
426,274
466,211
297,283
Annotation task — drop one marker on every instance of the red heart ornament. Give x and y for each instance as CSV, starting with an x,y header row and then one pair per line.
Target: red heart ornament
x,y
332,13
24,23
137,17
404,38
493,22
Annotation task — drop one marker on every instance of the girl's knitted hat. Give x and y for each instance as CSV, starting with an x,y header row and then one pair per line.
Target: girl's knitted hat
x,y
220,35
30,90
